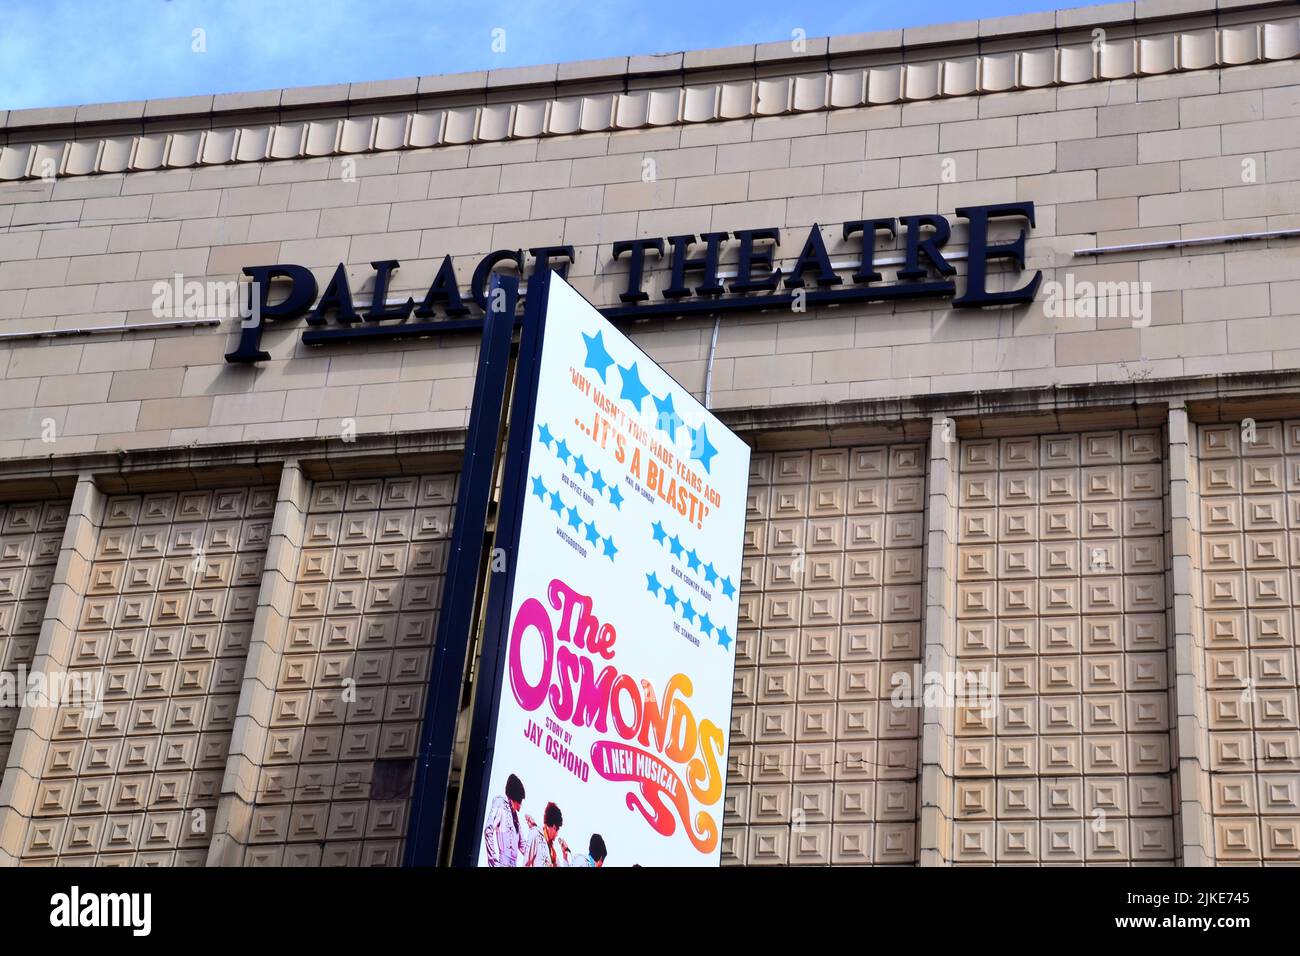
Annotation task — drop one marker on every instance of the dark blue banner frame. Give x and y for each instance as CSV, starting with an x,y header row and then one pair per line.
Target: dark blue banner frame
x,y
514,488
465,568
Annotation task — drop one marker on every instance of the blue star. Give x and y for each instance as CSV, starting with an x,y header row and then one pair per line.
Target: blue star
x,y
544,435
692,560
670,597
633,390
539,489
728,589
668,419
580,467
710,575
701,448
562,451
705,624
652,583
610,550
556,505
616,497
598,360
657,529
723,637
574,522
592,536
688,612
597,482
675,545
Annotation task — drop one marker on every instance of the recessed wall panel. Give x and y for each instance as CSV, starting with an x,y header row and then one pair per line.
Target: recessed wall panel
x,y
823,768
1249,477
162,634
1061,614
31,533
336,776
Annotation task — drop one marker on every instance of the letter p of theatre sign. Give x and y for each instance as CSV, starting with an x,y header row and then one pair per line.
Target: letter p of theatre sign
x,y
612,695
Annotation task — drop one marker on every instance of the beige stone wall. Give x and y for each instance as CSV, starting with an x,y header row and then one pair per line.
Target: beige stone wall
x,y
133,774
226,623
1248,559
339,758
30,536
822,768
1147,711
254,664
1061,611
1172,156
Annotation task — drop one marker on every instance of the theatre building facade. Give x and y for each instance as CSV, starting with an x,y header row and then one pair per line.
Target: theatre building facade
x,y
1007,311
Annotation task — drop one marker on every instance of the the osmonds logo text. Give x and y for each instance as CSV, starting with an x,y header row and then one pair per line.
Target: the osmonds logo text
x,y
659,737
76,909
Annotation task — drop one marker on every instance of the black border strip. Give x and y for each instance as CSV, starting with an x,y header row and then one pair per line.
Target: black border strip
x,y
514,489
462,584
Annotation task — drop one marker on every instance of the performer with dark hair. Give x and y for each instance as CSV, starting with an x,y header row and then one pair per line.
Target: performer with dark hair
x,y
544,846
595,855
502,836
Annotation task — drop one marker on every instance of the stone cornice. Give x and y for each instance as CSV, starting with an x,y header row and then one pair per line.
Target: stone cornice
x,y
1133,404
1034,51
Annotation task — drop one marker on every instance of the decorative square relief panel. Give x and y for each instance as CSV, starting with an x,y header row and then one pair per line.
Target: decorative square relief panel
x,y
1249,552
31,534
336,779
822,768
133,770
1062,728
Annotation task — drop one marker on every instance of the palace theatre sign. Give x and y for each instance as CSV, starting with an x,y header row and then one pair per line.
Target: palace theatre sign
x,y
758,284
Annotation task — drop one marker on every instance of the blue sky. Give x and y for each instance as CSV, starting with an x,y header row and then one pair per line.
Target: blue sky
x,y
61,52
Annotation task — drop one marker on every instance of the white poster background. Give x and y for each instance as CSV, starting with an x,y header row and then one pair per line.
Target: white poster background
x,y
604,510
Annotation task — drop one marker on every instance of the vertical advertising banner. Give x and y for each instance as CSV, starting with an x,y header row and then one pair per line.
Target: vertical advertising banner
x,y
614,709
